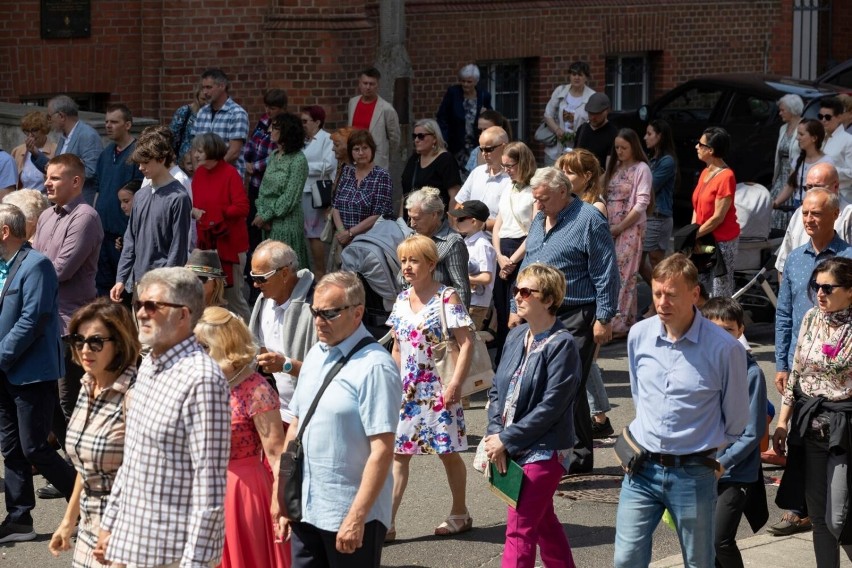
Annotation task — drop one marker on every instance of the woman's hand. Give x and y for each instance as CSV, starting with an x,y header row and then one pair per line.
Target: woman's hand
x,y
503,260
779,440
258,222
615,231
61,539
452,393
496,452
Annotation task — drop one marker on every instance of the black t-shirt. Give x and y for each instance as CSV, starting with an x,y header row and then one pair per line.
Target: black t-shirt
x,y
599,142
442,173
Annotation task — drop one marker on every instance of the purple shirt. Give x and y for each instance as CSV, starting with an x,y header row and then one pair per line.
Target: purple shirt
x,y
71,236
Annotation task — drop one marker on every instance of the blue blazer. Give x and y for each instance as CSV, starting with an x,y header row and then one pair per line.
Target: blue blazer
x,y
450,115
30,342
544,415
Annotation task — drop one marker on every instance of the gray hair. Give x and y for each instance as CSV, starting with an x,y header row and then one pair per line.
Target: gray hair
x,y
551,178
280,254
497,132
31,201
183,287
469,71
353,289
428,199
430,125
64,104
794,103
832,199
13,218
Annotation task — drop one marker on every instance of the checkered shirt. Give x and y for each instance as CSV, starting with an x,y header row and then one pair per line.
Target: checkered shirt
x,y
231,123
374,196
257,151
167,501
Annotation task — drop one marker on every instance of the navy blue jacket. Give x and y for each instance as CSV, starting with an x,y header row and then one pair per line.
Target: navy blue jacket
x,y
544,415
451,116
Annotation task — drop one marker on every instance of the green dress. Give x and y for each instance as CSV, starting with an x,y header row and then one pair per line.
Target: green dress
x,y
280,201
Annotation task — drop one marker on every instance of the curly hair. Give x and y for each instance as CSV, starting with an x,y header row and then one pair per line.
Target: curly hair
x,y
291,137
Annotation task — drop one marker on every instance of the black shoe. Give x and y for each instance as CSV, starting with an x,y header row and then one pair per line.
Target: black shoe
x,y
49,492
601,429
13,532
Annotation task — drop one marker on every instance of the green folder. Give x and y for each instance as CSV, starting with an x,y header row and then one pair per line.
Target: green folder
x,y
507,486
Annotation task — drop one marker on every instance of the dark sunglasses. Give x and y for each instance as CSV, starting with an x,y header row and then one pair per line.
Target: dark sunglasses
x,y
153,306
460,219
95,342
329,314
420,135
827,289
703,145
263,278
825,116
524,293
489,149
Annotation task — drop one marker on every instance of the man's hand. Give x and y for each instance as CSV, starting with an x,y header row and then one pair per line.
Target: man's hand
x,y
781,381
350,535
100,548
603,332
271,362
116,292
720,472
249,168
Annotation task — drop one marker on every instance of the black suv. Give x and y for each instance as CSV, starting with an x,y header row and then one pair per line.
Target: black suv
x,y
743,104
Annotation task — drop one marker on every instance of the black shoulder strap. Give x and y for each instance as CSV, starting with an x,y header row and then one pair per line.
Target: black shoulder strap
x,y
331,374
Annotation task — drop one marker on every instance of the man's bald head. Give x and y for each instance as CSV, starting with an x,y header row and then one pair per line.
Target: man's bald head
x,y
823,175
492,136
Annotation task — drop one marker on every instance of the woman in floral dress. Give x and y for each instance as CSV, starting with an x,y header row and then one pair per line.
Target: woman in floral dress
x,y
431,420
628,181
279,202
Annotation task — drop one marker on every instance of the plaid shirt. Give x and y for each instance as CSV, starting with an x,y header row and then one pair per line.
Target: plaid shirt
x,y
257,151
167,502
230,122
374,196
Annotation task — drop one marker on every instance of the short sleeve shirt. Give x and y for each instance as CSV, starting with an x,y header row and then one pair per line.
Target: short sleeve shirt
x,y
230,122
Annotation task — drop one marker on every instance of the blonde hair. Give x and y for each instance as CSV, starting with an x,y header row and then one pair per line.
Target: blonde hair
x,y
227,337
419,246
217,298
550,282
581,162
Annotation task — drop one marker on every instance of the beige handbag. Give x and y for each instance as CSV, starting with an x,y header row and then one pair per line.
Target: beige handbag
x,y
480,375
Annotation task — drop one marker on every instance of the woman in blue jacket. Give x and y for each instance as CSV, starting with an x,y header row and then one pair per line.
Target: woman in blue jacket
x,y
458,114
530,417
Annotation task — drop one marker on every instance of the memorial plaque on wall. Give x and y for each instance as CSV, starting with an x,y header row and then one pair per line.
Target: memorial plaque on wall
x,y
66,19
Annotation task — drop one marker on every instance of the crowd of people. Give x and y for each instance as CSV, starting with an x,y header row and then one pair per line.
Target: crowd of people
x,y
173,311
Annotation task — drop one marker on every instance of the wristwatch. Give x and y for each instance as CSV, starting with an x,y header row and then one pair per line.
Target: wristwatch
x,y
604,321
288,365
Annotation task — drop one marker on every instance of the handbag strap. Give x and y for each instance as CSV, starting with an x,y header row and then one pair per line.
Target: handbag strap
x,y
445,332
331,374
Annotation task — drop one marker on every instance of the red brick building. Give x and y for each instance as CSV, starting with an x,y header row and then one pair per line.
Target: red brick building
x,y
149,53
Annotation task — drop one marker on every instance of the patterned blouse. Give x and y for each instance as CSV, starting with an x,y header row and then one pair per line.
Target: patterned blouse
x,y
822,365
372,196
251,397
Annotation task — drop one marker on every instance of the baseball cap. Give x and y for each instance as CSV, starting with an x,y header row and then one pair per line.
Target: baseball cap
x,y
597,103
473,208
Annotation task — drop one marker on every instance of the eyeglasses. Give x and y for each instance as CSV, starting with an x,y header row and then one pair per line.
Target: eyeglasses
x,y
489,149
524,293
460,219
95,342
263,278
329,314
420,135
34,132
811,186
153,306
701,144
825,116
509,166
827,289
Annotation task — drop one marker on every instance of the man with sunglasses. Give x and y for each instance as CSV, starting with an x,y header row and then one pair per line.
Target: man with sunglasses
x,y
281,320
30,363
486,183
838,142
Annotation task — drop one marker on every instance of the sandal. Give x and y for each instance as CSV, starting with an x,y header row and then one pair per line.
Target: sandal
x,y
455,524
390,536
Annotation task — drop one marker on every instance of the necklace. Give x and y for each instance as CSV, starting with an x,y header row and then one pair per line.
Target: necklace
x,y
233,380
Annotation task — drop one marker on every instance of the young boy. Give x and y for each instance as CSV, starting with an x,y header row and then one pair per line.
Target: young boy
x,y
741,483
471,218
158,231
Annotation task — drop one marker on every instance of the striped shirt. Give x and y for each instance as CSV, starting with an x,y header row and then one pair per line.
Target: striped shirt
x,y
453,256
167,502
580,245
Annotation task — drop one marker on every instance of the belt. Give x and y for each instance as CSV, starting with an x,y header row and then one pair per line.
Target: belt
x,y
659,215
701,458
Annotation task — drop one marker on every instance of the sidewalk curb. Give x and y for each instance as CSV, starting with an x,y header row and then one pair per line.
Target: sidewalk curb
x,y
750,548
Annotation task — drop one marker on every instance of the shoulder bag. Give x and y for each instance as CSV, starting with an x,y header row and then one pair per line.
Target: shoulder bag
x,y
292,463
480,375
321,190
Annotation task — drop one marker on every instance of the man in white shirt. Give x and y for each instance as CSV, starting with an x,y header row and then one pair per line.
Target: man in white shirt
x,y
838,143
486,183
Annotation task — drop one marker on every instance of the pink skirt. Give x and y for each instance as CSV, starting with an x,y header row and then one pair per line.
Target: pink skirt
x,y
249,537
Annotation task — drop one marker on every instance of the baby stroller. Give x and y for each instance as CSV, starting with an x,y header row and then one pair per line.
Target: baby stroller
x,y
372,255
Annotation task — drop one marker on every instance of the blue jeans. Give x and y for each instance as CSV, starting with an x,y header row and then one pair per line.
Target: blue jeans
x,y
688,492
596,391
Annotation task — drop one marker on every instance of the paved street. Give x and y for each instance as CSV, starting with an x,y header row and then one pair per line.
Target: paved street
x,y
586,504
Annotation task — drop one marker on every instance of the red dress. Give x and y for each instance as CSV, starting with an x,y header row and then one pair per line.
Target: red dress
x,y
249,538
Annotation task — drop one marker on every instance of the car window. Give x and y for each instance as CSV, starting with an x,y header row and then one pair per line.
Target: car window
x,y
690,106
841,75
748,110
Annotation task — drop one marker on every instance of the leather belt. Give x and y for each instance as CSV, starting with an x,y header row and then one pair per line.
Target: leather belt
x,y
701,458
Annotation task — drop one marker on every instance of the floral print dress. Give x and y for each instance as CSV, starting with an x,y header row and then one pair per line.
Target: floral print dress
x,y
426,424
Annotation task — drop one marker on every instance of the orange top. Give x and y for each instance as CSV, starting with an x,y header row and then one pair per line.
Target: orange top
x,y
704,198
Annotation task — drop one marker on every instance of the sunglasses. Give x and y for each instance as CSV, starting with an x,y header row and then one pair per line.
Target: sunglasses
x,y
703,145
811,186
524,293
264,278
329,314
153,306
827,289
825,116
420,135
460,219
95,342
489,149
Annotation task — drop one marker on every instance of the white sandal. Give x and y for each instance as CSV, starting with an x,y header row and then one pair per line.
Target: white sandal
x,y
455,524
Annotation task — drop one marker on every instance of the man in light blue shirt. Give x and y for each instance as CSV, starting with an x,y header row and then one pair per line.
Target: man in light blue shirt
x,y
689,384
348,444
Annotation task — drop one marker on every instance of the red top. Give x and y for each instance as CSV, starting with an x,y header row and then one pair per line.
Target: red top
x,y
704,198
251,397
220,193
363,114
